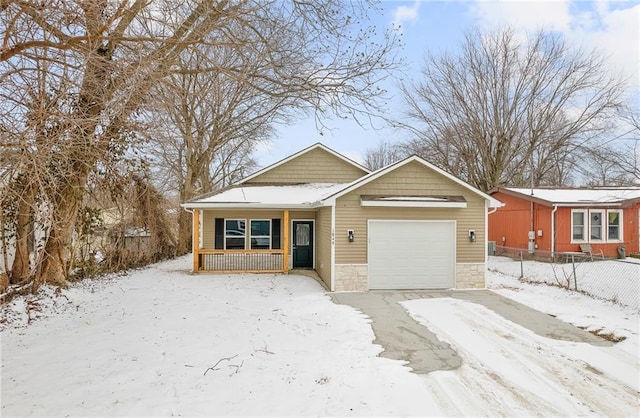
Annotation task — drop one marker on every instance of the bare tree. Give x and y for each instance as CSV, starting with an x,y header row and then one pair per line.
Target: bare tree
x,y
506,112
103,58
607,166
382,155
204,124
630,161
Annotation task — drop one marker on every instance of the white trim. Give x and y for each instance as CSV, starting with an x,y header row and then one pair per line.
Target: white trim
x,y
242,205
412,204
585,226
313,242
486,239
602,226
553,229
302,152
493,202
333,248
620,238
585,205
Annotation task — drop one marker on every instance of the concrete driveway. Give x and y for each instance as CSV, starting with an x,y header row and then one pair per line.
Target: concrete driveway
x,y
405,339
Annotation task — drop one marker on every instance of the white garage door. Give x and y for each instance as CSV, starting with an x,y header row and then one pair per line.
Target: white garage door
x,y
411,254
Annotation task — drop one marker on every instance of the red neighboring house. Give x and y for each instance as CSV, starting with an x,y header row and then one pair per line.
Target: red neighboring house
x,y
606,218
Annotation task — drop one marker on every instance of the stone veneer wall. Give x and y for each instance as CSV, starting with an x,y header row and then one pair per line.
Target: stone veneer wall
x,y
470,275
351,277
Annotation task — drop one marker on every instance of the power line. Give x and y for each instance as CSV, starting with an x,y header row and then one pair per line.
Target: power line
x,y
620,136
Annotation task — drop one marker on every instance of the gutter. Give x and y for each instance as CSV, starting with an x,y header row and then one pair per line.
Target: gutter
x,y
242,205
587,204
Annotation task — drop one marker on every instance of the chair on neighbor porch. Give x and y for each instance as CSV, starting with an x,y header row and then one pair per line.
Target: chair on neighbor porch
x,y
588,250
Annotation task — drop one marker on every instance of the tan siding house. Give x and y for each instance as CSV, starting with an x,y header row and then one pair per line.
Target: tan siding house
x,y
317,165
407,226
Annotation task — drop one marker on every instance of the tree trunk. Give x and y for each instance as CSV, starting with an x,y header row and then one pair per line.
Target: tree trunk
x,y
184,232
56,257
20,269
185,229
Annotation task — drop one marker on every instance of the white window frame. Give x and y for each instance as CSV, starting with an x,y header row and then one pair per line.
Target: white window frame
x,y
620,223
585,226
259,236
586,233
235,236
603,225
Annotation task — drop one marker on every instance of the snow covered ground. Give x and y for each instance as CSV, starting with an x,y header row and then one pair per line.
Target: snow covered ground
x,y
160,342
615,280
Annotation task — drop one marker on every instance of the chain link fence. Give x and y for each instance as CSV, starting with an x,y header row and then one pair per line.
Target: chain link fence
x,y
615,280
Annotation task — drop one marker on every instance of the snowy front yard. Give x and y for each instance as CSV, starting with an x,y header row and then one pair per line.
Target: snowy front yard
x,y
163,342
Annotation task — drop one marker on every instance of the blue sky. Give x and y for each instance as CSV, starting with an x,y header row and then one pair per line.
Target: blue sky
x,y
611,27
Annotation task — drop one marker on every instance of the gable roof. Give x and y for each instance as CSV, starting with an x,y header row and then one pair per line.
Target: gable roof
x,y
597,196
493,202
313,195
317,145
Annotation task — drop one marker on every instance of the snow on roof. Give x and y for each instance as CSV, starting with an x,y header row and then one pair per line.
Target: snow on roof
x,y
601,195
294,195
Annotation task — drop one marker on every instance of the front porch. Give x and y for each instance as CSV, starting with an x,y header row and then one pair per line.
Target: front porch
x,y
256,241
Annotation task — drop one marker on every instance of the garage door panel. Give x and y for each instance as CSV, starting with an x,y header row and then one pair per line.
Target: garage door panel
x,y
411,255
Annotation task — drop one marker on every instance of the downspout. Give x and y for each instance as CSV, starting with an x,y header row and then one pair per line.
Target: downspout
x,y
532,245
553,231
486,231
200,232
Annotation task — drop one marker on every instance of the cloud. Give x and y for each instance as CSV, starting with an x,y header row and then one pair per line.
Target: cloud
x,y
610,28
615,34
528,15
403,14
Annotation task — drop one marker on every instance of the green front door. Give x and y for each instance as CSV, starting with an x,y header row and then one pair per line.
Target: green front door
x,y
302,244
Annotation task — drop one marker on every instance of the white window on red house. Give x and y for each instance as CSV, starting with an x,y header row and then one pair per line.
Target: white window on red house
x,y
596,225
578,225
613,218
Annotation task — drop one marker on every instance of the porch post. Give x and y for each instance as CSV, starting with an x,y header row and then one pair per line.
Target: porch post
x,y
195,245
285,232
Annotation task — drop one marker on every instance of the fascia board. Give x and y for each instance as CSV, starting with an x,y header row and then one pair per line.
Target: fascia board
x,y
211,205
416,204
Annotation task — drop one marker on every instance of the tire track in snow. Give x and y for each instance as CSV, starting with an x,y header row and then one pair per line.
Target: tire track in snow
x,y
507,369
